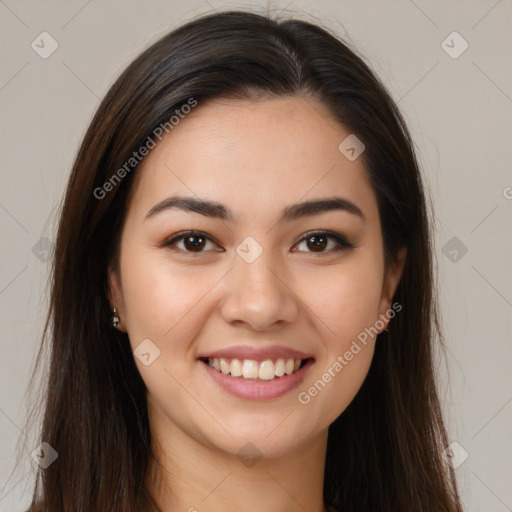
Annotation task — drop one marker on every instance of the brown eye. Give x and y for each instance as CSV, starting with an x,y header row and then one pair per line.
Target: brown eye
x,y
318,241
192,242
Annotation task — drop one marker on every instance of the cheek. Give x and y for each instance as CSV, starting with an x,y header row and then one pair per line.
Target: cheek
x,y
345,303
348,348
162,301
333,388
166,304
345,298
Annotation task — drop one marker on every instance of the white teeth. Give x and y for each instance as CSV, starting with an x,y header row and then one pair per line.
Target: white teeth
x,y
251,369
236,368
267,370
279,368
224,367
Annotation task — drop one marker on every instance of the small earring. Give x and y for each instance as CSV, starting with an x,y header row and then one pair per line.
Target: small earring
x,y
115,319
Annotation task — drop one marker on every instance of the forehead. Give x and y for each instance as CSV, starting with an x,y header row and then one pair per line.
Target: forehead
x,y
254,155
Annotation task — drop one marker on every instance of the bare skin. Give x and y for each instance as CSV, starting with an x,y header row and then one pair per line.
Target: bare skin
x,y
256,158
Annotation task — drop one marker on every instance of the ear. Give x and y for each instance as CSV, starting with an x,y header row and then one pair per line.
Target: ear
x,y
391,281
115,296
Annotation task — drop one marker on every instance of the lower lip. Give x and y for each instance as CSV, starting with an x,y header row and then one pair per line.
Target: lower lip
x,y
258,390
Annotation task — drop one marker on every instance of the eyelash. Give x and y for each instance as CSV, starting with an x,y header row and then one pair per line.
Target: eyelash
x,y
342,242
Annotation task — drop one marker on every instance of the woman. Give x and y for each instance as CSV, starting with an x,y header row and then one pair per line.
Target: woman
x,y
242,306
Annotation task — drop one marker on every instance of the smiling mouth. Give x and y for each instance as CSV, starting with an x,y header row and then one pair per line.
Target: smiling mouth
x,y
252,370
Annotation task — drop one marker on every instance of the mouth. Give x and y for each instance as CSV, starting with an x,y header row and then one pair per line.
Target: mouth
x,y
250,379
257,371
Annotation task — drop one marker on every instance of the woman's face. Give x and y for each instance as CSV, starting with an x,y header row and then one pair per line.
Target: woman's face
x,y
261,283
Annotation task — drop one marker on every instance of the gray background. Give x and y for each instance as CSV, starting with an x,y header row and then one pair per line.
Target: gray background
x,y
458,109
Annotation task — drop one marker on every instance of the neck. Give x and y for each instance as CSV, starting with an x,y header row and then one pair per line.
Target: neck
x,y
191,476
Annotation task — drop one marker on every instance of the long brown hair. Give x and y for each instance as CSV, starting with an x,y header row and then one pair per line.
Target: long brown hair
x,y
384,450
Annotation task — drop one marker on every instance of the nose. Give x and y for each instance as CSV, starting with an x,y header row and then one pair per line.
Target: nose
x,y
259,295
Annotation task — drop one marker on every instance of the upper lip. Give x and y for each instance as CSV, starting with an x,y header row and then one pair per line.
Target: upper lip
x,y
258,354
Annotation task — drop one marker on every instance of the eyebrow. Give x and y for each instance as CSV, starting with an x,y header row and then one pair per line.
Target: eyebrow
x,y
290,213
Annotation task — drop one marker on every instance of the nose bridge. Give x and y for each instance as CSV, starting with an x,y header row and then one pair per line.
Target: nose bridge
x,y
256,292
